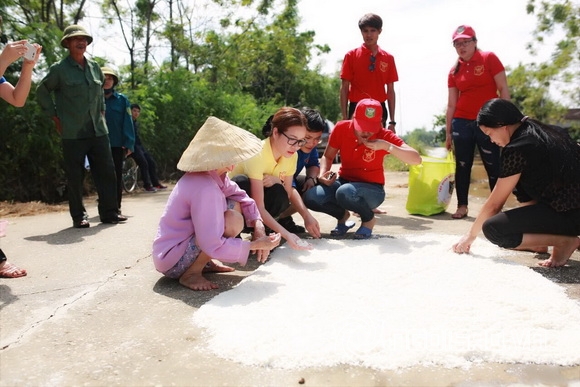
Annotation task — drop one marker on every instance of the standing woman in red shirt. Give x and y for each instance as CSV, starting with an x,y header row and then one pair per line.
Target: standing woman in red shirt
x,y
477,77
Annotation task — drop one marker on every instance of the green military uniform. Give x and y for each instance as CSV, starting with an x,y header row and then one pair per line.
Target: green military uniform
x,y
74,94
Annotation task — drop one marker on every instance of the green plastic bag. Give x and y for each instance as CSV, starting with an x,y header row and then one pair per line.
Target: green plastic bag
x,y
431,185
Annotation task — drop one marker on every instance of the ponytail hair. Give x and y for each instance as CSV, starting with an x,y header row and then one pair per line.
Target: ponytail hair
x,y
267,128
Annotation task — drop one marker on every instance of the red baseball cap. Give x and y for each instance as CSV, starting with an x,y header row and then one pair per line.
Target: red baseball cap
x,y
368,116
463,32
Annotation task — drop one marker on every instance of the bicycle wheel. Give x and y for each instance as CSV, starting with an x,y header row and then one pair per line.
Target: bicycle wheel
x,y
130,174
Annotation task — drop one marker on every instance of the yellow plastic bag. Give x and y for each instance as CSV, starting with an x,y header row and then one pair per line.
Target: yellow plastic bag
x,y
431,185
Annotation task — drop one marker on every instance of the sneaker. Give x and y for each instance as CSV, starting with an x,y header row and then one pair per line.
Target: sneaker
x,y
150,189
288,224
160,186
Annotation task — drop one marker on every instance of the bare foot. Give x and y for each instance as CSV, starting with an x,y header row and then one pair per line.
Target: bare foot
x,y
8,270
561,254
215,266
196,282
345,217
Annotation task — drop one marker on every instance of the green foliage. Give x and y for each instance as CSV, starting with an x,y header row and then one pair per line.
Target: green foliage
x,y
533,96
564,65
422,138
30,160
176,104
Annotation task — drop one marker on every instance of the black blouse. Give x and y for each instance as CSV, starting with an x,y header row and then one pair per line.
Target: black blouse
x,y
527,155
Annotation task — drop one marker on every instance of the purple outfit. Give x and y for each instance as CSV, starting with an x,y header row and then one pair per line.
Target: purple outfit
x,y
196,207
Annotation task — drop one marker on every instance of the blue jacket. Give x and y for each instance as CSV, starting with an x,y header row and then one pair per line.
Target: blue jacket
x,y
119,121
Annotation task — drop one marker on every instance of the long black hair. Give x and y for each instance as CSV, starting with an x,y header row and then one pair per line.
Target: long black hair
x,y
563,151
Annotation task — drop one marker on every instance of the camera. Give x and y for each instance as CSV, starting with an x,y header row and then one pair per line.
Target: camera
x,y
30,52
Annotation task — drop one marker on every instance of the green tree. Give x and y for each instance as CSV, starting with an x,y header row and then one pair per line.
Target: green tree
x,y
564,66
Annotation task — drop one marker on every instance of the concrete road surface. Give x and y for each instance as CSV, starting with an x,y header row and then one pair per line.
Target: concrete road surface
x,y
93,311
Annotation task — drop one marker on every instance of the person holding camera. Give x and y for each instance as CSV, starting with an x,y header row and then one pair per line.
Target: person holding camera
x,y
16,96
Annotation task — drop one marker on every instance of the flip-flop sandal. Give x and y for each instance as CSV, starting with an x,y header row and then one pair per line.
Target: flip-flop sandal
x,y
363,233
11,271
342,228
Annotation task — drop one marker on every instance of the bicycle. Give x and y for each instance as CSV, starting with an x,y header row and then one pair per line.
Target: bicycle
x,y
130,174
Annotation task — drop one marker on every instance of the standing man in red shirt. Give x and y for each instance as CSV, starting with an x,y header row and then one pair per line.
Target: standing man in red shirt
x,y
365,72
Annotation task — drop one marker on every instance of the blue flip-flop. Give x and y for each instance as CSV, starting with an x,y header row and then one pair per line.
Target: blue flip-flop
x,y
342,228
363,233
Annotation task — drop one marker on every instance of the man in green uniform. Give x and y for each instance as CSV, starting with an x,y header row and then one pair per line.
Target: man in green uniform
x,y
72,95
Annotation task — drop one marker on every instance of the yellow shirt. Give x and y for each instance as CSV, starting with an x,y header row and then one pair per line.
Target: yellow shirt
x,y
264,163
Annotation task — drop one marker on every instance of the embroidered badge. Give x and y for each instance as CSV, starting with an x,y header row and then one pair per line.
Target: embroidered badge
x,y
479,70
384,66
370,112
460,29
369,155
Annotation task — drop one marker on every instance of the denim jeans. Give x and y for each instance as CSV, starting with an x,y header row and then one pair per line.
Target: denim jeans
x,y
342,195
466,135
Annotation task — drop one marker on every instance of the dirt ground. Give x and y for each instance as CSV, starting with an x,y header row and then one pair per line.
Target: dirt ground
x,y
16,209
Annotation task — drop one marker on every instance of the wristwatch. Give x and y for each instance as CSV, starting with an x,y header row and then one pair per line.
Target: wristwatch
x,y
392,123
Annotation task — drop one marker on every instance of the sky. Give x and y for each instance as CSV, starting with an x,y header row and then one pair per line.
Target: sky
x,y
417,32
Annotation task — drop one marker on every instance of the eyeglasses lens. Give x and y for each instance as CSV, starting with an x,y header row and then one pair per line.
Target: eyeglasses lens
x,y
462,44
294,141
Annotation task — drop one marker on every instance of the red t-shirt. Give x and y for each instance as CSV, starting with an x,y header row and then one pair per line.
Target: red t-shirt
x,y
359,163
475,83
363,82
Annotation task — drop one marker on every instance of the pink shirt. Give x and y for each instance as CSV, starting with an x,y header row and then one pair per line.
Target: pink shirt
x,y
196,206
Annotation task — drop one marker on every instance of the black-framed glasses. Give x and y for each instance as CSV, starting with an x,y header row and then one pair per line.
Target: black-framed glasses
x,y
372,65
294,141
462,44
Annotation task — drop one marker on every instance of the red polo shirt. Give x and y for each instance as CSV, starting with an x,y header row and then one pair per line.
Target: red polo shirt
x,y
363,82
359,163
475,83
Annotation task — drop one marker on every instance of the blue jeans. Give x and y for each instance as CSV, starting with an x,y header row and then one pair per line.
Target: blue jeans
x,y
342,195
466,135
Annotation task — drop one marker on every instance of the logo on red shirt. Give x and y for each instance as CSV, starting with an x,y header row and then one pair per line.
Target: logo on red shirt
x,y
369,155
479,70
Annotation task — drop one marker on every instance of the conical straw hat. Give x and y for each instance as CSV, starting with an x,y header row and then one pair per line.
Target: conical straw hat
x,y
218,144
